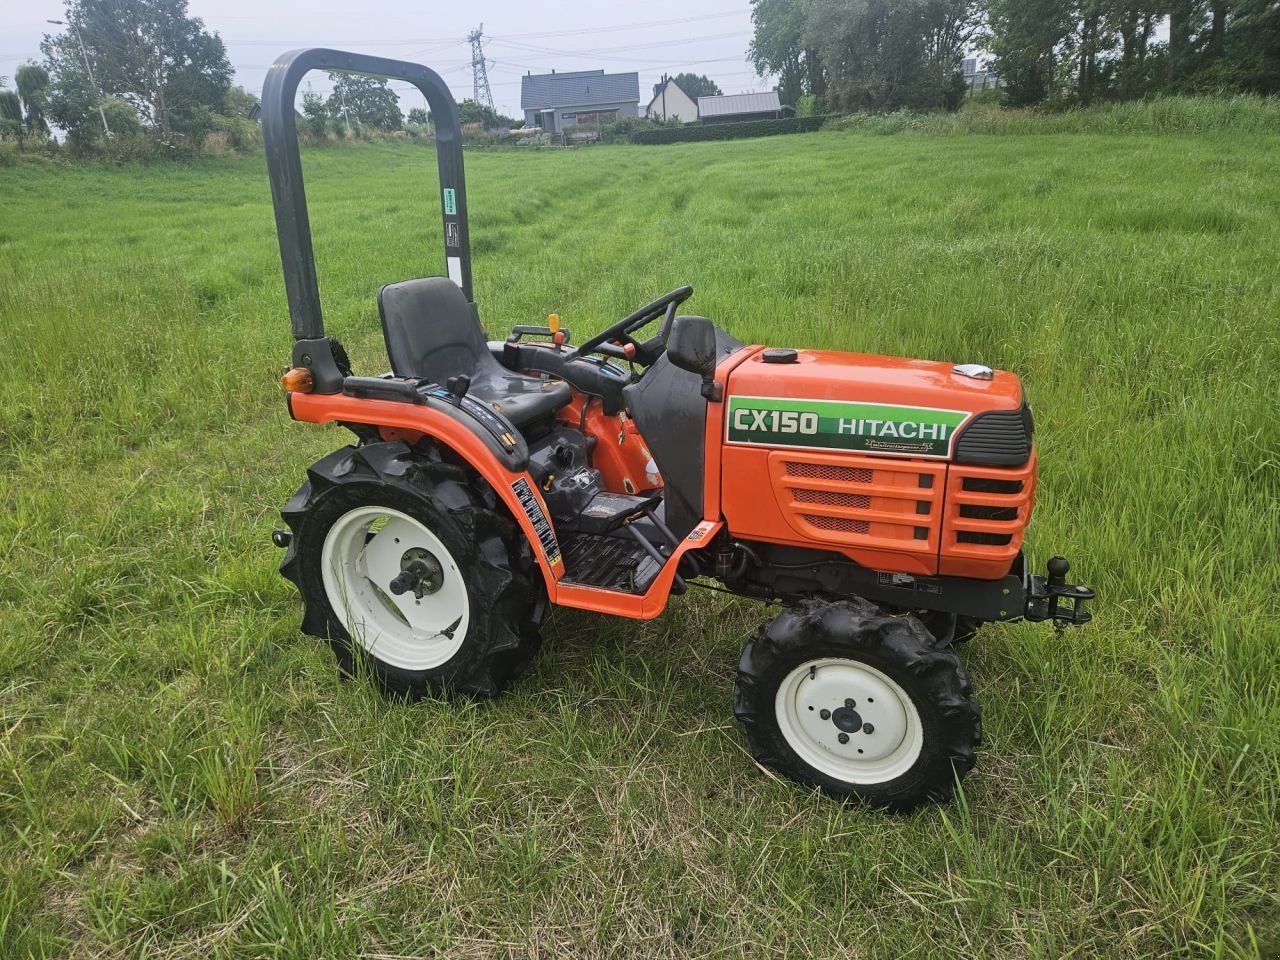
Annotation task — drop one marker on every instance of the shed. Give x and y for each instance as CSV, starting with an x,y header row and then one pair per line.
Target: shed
x,y
739,106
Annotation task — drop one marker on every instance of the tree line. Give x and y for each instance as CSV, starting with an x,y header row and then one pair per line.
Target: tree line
x,y
146,71
883,55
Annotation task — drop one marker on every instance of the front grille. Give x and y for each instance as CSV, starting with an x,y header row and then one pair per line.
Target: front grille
x,y
987,485
828,471
974,511
987,512
997,438
856,500
830,498
841,524
986,539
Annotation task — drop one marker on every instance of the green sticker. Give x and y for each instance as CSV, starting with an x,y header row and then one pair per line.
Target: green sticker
x,y
450,201
837,425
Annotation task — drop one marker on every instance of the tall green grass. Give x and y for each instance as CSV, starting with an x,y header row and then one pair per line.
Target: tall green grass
x,y
181,773
1240,114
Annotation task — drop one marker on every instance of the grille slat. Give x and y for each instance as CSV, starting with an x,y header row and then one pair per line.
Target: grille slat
x,y
830,498
840,524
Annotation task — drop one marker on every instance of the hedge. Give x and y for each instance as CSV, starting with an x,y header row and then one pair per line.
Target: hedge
x,y
728,130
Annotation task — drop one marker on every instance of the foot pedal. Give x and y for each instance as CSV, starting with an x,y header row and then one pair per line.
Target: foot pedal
x,y
608,511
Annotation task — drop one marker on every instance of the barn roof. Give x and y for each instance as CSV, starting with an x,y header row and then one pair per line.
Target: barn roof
x,y
738,103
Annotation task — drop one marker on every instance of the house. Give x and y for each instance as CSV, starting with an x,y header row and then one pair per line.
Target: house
x,y
671,103
739,106
554,101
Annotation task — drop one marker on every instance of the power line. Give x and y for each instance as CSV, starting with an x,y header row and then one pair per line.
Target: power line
x,y
625,26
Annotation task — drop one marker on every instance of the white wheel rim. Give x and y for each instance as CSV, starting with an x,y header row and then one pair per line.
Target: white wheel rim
x,y
830,685
361,556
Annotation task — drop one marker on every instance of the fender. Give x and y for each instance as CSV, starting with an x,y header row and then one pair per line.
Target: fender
x,y
411,422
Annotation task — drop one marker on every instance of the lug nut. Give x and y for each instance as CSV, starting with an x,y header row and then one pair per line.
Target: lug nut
x,y
825,714
868,728
843,738
850,704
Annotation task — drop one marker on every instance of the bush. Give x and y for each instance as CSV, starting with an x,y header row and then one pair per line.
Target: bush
x,y
621,131
728,131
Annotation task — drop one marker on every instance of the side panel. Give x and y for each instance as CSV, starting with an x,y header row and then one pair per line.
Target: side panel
x,y
516,489
714,463
625,462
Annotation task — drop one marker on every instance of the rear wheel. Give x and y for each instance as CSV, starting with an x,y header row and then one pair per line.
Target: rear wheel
x,y
408,568
859,703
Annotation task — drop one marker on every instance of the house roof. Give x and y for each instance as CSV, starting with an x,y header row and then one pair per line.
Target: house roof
x,y
738,103
578,89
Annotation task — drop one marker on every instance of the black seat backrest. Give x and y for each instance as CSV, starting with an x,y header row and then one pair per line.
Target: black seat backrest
x,y
431,330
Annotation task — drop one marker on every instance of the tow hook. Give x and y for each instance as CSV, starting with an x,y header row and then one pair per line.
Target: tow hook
x,y
1052,598
281,538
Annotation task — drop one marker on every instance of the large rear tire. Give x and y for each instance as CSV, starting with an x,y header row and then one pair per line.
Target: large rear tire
x,y
861,704
408,567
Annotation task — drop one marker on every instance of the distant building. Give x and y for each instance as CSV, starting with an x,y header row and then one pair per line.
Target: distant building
x,y
554,101
739,106
671,103
979,76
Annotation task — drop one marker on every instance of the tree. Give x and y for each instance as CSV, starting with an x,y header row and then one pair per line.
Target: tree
x,y
696,85
315,112
776,47
469,111
890,54
418,117
32,81
238,102
364,100
147,52
10,116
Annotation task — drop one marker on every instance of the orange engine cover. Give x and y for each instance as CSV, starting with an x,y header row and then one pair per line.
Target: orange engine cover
x,y
852,452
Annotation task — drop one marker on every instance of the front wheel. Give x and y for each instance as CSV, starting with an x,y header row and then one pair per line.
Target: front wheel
x,y
859,703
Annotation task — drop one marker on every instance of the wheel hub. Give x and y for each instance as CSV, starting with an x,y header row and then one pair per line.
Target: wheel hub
x,y
849,719
420,572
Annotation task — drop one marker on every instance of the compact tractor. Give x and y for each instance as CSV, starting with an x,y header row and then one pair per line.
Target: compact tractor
x,y
881,502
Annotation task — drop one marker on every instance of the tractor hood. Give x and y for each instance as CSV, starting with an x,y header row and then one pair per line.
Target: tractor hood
x,y
876,405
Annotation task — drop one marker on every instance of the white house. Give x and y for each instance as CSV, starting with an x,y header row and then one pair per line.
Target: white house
x,y
671,103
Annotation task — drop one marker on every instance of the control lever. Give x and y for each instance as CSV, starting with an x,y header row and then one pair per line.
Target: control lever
x,y
458,387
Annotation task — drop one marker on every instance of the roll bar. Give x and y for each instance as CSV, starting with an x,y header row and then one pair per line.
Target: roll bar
x,y
284,168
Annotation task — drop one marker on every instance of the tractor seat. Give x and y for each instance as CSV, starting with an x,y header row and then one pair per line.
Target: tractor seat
x,y
433,332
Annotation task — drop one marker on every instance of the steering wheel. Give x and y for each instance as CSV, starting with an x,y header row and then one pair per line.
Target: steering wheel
x,y
613,340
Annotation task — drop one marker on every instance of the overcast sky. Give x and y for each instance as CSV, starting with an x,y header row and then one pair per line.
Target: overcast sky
x,y
672,36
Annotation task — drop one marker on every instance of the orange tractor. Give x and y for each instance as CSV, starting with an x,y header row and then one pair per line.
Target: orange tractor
x,y
881,501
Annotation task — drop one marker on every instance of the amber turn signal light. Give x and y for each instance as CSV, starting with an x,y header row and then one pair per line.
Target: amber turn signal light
x,y
298,380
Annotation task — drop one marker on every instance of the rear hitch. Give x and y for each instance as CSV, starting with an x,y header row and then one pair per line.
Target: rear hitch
x,y
1052,598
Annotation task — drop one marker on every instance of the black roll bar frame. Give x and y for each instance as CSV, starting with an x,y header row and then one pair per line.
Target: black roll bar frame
x,y
284,168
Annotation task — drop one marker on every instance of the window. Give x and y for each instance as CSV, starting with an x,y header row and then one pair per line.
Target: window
x,y
597,117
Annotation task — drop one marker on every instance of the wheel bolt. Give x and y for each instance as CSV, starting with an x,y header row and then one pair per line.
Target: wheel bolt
x,y
843,738
850,703
868,728
825,714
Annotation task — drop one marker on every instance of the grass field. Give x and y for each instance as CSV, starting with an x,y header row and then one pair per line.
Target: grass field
x,y
182,774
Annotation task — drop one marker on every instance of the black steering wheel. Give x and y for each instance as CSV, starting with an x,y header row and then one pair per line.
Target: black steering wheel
x,y
614,339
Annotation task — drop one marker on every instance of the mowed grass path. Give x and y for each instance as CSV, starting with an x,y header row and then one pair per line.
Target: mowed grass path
x,y
182,774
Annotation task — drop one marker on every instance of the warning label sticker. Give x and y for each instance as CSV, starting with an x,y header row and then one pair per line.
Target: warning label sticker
x,y
450,201
541,526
